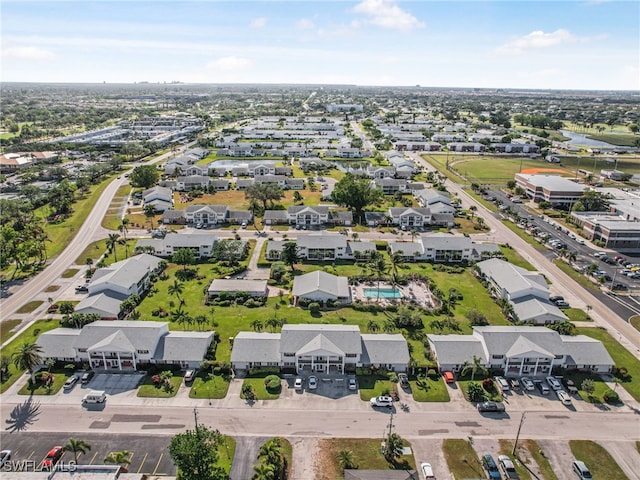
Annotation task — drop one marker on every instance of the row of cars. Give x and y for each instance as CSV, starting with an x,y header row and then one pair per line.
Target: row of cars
x,y
544,387
510,473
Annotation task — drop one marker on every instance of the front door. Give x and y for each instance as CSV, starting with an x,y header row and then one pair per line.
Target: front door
x,y
320,367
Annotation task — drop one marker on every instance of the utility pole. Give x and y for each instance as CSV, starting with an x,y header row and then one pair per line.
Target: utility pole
x,y
515,444
391,425
195,416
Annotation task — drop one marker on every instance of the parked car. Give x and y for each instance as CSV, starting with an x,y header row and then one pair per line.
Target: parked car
x,y
52,457
403,380
581,469
564,397
490,466
527,383
298,384
95,396
554,383
448,377
544,390
502,383
497,407
382,401
556,298
353,384
87,376
5,456
562,304
570,386
313,382
507,467
82,289
71,381
427,471
515,383
189,375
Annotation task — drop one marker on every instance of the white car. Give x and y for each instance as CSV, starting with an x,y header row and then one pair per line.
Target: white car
x,y
527,384
382,401
427,471
554,383
353,384
313,382
298,384
564,397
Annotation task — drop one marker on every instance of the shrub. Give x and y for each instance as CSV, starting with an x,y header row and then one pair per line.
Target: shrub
x,y
252,303
488,385
611,397
475,392
303,302
314,308
272,382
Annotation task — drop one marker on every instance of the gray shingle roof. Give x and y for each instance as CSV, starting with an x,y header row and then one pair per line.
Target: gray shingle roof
x,y
141,335
320,210
280,215
512,278
106,304
235,285
322,240
583,350
256,347
58,343
125,273
457,349
499,339
529,308
384,348
180,240
320,281
183,346
296,337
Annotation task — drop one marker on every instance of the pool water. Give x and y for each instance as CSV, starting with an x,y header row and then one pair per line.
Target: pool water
x,y
384,293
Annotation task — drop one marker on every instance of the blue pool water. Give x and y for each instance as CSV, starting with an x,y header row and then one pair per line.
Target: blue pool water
x,y
384,293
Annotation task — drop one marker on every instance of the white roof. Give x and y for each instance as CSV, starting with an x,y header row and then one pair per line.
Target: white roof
x,y
320,281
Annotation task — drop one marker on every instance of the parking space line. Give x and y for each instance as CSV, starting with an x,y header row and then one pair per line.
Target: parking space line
x,y
144,459
31,455
157,464
93,458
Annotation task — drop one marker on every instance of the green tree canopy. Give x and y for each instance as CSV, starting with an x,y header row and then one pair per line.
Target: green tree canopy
x,y
290,254
145,176
195,453
184,257
356,193
263,193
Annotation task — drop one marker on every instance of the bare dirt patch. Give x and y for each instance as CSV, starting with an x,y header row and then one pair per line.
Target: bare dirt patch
x,y
533,171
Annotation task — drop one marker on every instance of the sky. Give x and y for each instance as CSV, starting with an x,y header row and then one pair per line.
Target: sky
x,y
589,44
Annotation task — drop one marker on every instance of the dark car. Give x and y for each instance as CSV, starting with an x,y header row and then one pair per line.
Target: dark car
x,y
404,380
491,467
87,376
82,289
491,407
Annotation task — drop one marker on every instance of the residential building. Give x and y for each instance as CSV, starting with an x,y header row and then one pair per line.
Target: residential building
x,y
322,247
319,286
444,247
380,172
125,346
389,186
202,244
520,350
160,197
319,348
466,147
210,215
255,288
190,182
308,216
126,277
528,148
558,191
278,180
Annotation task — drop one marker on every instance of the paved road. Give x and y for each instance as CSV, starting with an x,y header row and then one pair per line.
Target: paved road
x,y
245,458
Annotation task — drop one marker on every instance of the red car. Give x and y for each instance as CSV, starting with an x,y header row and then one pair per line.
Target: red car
x,y
52,457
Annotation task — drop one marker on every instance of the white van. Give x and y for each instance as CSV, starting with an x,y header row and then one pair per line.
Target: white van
x,y
94,396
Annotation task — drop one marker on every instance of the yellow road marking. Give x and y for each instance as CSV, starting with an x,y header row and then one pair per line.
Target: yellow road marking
x,y
144,459
157,464
93,458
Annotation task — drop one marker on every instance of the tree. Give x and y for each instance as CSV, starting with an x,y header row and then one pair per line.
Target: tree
x,y
474,367
263,193
122,458
144,176
592,201
195,453
297,197
122,228
263,471
356,193
257,325
588,386
27,357
66,308
372,326
347,459
184,257
149,211
476,392
77,447
112,241
476,317
393,447
380,268
290,255
473,209
176,288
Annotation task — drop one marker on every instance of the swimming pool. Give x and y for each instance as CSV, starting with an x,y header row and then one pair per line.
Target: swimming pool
x,y
384,293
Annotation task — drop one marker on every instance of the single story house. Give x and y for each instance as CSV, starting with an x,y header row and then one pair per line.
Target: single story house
x,y
255,288
125,346
319,348
202,244
520,350
319,286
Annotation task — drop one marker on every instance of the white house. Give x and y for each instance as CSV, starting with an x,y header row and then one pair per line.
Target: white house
x,y
202,244
319,286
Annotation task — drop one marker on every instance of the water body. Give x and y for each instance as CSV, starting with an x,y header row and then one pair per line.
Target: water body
x,y
582,140
344,166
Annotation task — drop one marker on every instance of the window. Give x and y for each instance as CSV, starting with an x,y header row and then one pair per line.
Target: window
x,y
497,356
289,354
351,355
142,351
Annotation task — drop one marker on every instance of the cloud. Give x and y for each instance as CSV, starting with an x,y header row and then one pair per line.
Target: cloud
x,y
29,53
258,23
230,63
537,39
386,14
304,24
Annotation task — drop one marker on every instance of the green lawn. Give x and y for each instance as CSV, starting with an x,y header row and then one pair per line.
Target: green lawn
x,y
205,387
543,463
635,322
429,390
522,233
597,459
112,219
462,459
226,451
506,447
29,306
6,328
149,390
30,335
600,386
512,256
375,385
577,315
260,389
70,272
59,377
366,454
463,384
576,276
621,356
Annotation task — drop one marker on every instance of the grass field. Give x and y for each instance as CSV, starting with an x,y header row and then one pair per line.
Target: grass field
x,y
374,385
429,390
462,459
226,451
29,306
260,389
621,356
506,447
538,455
577,276
207,387
236,200
635,321
148,389
59,375
597,459
69,273
6,329
366,454
112,219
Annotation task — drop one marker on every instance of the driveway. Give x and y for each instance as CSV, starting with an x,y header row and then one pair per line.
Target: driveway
x,y
560,457
245,457
115,383
430,450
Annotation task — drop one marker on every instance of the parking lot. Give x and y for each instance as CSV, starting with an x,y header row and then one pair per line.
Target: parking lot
x,y
111,383
149,453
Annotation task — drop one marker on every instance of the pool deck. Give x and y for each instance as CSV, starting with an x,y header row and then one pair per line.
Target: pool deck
x,y
414,292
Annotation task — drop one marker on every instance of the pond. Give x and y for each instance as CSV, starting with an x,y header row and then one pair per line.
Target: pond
x,y
581,139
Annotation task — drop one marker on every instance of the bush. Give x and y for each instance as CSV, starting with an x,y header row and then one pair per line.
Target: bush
x,y
611,397
303,302
488,385
272,382
252,303
475,392
314,308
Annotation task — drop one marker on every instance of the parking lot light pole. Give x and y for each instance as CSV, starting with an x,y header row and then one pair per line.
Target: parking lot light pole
x,y
515,444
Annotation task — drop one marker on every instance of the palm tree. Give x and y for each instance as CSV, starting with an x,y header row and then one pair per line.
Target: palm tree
x,y
150,212
346,459
264,471
257,325
27,357
200,321
380,267
122,458
112,241
414,234
473,209
124,230
77,447
372,326
393,447
388,326
176,288
355,236
475,367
